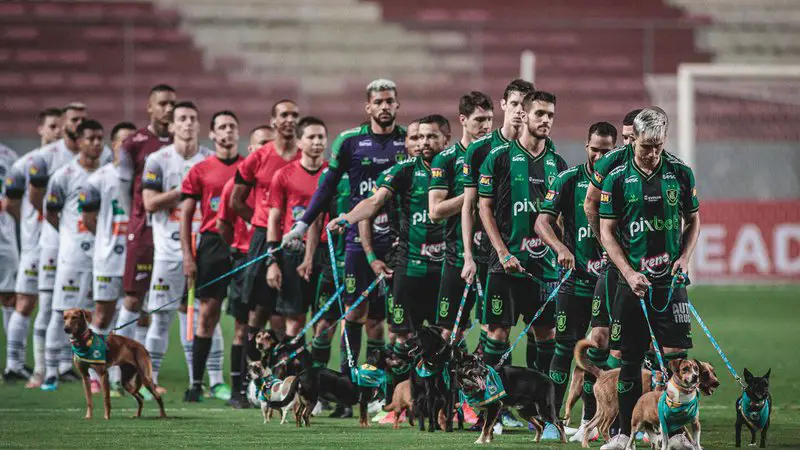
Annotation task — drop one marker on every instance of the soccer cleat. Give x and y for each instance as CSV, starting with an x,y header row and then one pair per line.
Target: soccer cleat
x,y
478,426
161,390
238,401
375,407
50,384
569,431
221,391
146,395
387,418
680,442
193,395
117,390
94,386
469,414
35,381
498,428
618,442
380,416
317,409
509,421
578,436
12,376
69,376
339,412
550,433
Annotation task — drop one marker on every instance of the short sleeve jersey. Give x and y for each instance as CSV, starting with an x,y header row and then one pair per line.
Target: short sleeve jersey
x,y
518,183
101,194
16,182
132,156
257,171
204,183
340,204
291,191
76,242
44,164
242,231
446,175
565,197
164,171
421,241
8,231
650,209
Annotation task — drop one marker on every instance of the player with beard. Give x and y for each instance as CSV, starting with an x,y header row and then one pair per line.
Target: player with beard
x,y
73,280
18,204
139,250
255,175
445,199
363,153
204,184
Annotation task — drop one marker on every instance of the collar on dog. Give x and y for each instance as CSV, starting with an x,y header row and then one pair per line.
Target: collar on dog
x,y
755,414
91,348
674,415
494,391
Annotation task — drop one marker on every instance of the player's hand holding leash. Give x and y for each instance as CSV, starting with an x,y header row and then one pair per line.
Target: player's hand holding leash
x,y
295,234
380,267
469,270
189,266
680,267
565,258
274,276
511,264
338,225
638,283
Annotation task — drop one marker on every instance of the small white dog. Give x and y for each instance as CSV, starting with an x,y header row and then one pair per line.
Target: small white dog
x,y
266,388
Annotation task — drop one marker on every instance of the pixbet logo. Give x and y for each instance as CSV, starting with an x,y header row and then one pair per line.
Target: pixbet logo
x,y
366,186
656,265
585,233
524,206
535,246
654,224
419,218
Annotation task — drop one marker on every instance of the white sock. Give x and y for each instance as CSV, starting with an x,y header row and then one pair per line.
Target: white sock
x,y
129,317
187,345
55,341
65,363
216,358
40,330
8,311
16,333
157,339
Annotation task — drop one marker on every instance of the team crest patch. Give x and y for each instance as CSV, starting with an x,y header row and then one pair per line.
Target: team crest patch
x,y
672,197
399,157
323,298
350,284
588,387
398,314
550,179
616,331
561,323
444,306
596,306
558,377
624,386
497,305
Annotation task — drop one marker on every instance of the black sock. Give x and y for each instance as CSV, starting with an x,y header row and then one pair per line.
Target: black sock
x,y
201,346
354,336
401,350
546,350
587,395
250,346
236,368
374,344
320,351
531,352
493,351
244,363
560,370
629,389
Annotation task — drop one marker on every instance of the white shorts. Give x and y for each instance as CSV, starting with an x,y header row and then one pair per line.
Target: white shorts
x,y
167,284
48,263
106,289
9,261
28,274
73,288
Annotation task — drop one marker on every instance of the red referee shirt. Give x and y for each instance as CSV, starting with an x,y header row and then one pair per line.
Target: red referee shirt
x,y
291,191
257,171
204,183
242,231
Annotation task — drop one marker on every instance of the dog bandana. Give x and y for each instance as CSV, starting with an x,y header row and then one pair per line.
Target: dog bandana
x,y
494,391
92,351
424,372
673,416
369,376
264,387
757,419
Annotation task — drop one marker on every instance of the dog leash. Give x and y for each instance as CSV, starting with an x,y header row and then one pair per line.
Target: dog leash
x,y
264,255
318,315
653,335
550,298
460,311
332,255
716,345
358,301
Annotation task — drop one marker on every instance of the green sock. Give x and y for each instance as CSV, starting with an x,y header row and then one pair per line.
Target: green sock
x,y
599,357
613,362
494,350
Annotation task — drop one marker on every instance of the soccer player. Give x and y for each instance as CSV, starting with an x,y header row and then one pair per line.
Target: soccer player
x,y
476,246
290,193
9,254
18,204
73,281
139,251
164,171
513,183
649,224
204,184
577,250
255,174
413,139
627,127
445,199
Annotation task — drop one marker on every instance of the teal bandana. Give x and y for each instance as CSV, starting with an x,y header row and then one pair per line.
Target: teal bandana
x,y
494,391
757,419
264,386
94,351
672,418
369,376
424,372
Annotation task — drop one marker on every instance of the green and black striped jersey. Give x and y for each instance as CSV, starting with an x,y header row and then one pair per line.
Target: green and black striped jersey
x,y
420,247
565,197
650,209
446,169
518,184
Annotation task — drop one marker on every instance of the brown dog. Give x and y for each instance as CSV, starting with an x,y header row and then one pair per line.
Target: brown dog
x,y
573,393
401,401
131,357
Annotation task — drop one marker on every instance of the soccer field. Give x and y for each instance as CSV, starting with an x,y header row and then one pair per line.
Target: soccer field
x,y
753,326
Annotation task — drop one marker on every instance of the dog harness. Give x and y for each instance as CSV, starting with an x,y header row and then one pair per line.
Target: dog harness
x,y
369,376
755,418
92,349
674,415
494,391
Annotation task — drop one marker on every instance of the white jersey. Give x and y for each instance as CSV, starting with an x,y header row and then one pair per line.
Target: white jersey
x,y
75,241
43,166
30,219
101,193
8,229
164,171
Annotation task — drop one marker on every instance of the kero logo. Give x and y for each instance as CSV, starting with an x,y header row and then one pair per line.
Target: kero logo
x,y
525,206
534,246
655,265
654,224
419,218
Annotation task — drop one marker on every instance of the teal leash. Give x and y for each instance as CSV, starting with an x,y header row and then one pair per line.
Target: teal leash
x,y
332,255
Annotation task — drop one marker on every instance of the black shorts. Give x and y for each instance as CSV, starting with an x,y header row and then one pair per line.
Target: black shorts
x,y
213,261
325,286
672,327
358,275
451,291
573,313
414,301
255,289
604,292
237,306
296,294
509,297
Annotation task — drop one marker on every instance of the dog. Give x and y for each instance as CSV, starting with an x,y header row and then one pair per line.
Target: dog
x,y
573,392
679,405
266,342
93,351
271,388
401,402
753,408
529,391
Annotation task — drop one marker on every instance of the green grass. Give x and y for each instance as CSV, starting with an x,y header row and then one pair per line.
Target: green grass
x,y
755,326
